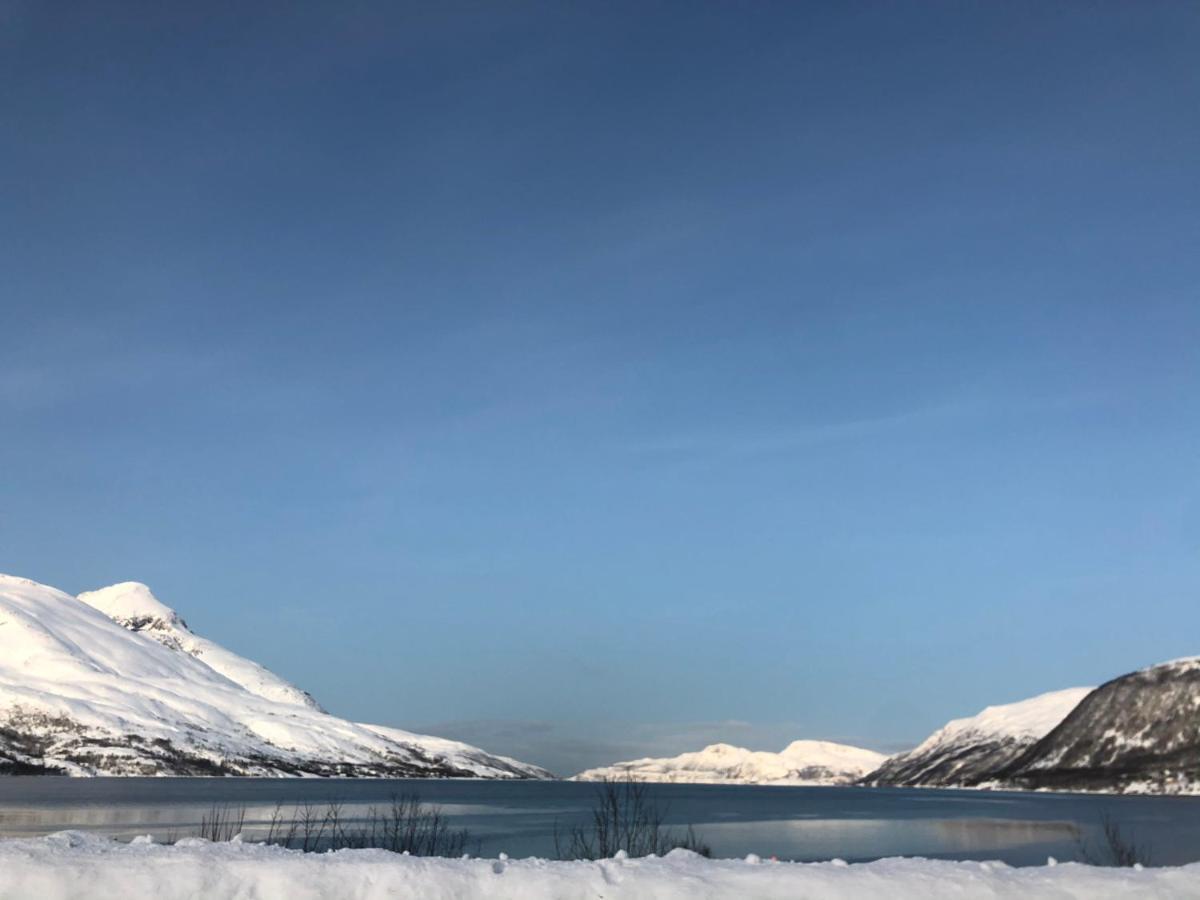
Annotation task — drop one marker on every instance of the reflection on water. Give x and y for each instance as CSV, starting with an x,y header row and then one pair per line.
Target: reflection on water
x,y
521,818
814,839
982,834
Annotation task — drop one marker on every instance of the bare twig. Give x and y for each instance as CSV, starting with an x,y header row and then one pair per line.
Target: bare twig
x,y
1115,847
624,818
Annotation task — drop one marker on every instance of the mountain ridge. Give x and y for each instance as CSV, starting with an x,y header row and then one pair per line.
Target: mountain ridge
x,y
1137,733
114,683
134,607
968,751
802,762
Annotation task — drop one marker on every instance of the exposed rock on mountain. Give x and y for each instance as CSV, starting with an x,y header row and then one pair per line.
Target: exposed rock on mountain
x,y
1136,733
132,606
967,752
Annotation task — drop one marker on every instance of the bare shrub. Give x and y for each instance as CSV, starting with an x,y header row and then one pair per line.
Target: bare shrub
x,y
222,822
625,818
405,825
1114,848
303,830
409,826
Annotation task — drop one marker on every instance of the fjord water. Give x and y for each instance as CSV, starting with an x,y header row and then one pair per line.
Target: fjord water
x,y
520,817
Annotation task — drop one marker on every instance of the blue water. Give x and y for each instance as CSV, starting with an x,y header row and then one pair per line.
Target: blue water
x,y
520,818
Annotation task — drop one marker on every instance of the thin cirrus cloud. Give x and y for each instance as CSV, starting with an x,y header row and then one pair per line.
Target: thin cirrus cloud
x,y
963,409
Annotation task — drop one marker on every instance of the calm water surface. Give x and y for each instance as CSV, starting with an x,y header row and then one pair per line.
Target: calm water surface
x,y
519,818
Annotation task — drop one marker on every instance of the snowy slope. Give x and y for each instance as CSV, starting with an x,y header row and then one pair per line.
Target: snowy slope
x,y
1136,733
69,865
131,605
801,762
115,683
966,752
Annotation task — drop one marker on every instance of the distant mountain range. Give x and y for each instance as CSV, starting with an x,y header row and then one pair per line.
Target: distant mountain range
x,y
113,682
1139,733
800,763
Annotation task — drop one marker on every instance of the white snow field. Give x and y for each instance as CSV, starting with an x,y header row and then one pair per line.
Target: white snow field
x,y
1027,719
71,865
113,682
800,763
132,606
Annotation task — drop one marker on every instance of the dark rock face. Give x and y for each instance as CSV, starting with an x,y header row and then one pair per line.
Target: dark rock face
x,y
1138,732
970,752
959,764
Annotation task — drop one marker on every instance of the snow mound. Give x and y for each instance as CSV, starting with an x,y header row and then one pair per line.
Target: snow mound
x,y
800,763
73,864
115,683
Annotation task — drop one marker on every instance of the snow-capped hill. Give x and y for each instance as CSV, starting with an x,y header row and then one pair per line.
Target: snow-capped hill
x,y
83,693
966,752
132,605
800,763
1136,733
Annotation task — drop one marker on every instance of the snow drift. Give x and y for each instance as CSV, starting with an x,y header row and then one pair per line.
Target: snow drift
x,y
72,864
115,683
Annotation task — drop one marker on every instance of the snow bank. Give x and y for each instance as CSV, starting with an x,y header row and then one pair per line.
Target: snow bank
x,y
72,864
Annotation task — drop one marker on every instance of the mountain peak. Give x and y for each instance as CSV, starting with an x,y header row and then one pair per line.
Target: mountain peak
x,y
113,683
1136,733
721,749
1183,664
133,605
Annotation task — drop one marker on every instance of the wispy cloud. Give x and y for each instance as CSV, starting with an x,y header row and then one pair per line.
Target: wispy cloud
x,y
785,439
965,406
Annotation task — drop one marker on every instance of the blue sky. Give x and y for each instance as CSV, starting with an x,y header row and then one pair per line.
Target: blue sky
x,y
588,380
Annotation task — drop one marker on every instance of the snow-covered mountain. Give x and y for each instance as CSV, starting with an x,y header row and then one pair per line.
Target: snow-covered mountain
x,y
1136,733
132,606
801,762
967,752
114,683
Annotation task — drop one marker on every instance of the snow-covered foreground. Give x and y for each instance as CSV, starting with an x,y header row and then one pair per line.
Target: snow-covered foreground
x,y
72,864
